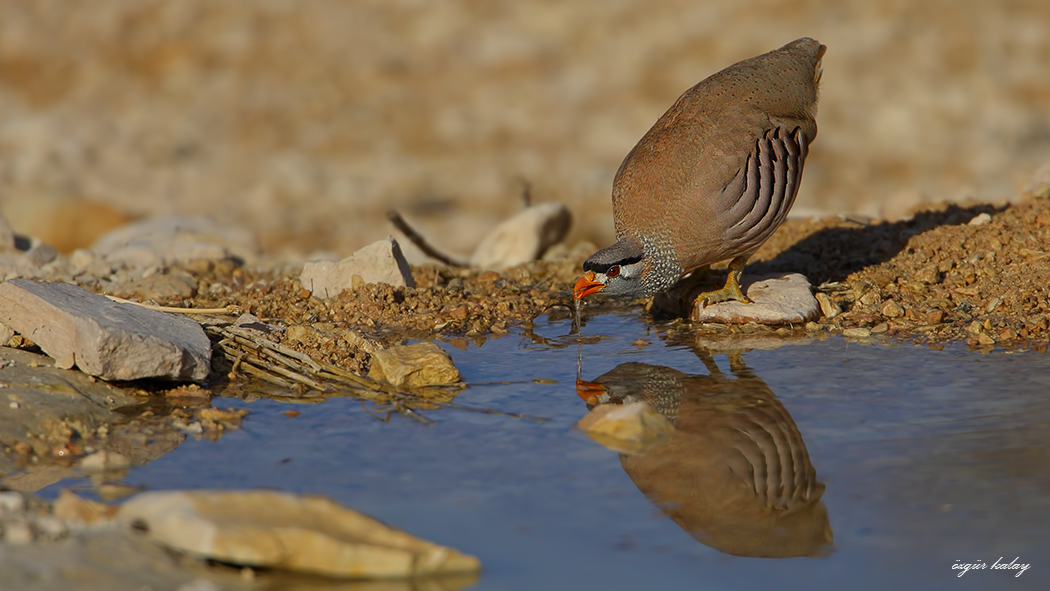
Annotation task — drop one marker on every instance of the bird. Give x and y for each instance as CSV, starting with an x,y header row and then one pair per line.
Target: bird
x,y
713,178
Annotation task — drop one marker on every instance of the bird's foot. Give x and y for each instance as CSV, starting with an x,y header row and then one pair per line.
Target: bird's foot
x,y
731,292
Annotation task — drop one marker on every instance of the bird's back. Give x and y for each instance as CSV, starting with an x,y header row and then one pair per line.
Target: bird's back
x,y
679,169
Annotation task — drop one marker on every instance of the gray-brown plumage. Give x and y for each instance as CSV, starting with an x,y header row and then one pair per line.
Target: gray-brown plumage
x,y
714,177
736,474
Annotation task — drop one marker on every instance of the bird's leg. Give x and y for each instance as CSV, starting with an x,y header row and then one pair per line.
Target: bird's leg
x,y
731,291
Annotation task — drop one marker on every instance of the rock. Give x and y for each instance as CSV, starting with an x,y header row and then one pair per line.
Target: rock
x,y
779,299
1038,186
632,428
524,237
5,334
281,530
856,333
828,307
929,274
935,316
54,406
75,509
252,322
160,286
980,219
974,328
984,339
891,309
421,364
104,461
379,262
174,240
111,340
40,254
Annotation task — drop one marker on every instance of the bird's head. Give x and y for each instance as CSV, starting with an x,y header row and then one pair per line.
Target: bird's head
x,y
617,270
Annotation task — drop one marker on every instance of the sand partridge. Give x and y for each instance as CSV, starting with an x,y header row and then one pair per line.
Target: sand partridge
x,y
713,178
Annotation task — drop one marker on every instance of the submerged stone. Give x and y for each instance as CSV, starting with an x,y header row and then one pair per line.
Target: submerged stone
x,y
286,531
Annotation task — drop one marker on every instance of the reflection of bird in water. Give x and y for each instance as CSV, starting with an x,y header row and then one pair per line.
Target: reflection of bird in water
x,y
736,474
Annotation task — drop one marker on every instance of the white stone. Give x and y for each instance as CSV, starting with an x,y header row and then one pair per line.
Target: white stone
x,y
281,530
172,240
379,262
980,219
524,237
111,340
777,299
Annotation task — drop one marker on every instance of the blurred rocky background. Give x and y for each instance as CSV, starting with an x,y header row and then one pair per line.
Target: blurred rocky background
x,y
306,122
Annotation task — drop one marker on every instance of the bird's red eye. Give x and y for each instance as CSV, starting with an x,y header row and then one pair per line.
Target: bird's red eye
x,y
613,271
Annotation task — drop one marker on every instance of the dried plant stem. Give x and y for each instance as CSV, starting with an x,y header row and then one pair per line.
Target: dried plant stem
x,y
418,239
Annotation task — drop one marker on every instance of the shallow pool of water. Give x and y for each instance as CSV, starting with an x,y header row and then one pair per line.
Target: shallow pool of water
x,y
917,459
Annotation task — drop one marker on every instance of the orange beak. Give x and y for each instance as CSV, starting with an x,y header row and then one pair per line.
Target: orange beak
x,y
586,286
589,391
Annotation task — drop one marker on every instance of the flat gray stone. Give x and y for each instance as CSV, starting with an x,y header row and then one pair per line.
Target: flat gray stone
x,y
523,238
777,299
111,340
379,262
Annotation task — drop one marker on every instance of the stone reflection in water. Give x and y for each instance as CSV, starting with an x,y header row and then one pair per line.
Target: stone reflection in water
x,y
736,474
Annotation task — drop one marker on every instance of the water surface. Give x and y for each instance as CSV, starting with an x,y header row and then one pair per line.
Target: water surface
x,y
919,459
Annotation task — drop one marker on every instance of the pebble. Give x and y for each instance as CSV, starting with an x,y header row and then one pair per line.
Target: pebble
x,y
281,530
984,339
379,262
523,238
891,309
104,338
856,333
828,307
980,219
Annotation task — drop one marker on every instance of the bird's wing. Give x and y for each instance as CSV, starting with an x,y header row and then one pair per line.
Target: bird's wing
x,y
756,201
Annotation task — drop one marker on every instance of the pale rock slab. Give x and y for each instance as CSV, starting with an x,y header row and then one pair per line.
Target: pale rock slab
x,y
524,237
173,240
379,262
421,364
286,531
632,428
111,340
777,299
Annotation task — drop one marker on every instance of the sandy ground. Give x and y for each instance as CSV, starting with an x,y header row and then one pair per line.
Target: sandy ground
x,y
306,121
